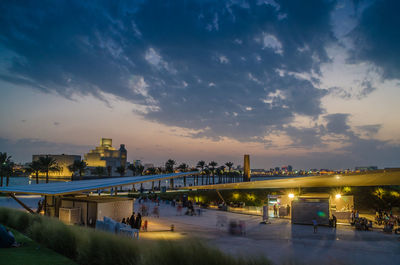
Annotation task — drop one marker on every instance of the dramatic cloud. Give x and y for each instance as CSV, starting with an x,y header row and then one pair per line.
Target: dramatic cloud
x,y
337,123
211,66
234,69
376,37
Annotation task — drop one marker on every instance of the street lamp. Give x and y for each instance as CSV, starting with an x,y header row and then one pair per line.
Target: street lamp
x,y
338,196
291,195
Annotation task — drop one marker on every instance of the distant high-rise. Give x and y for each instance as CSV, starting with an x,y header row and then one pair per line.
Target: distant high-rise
x,y
123,154
246,173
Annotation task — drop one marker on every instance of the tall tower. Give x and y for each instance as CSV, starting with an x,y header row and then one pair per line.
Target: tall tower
x,y
123,154
246,163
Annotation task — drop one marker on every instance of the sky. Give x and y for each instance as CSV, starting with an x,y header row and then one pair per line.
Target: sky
x,y
313,84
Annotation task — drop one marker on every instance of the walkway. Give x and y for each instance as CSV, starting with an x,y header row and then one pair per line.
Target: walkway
x,y
280,241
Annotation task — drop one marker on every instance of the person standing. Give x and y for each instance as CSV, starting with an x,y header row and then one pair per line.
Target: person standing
x,y
334,220
275,210
352,217
138,224
287,210
132,220
315,225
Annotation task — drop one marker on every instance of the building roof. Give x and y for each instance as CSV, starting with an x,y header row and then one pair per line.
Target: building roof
x,y
76,187
102,199
387,177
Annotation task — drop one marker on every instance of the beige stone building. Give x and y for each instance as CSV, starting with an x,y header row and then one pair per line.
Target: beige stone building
x,y
63,161
106,156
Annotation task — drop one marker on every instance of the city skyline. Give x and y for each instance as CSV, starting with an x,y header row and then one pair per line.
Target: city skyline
x,y
312,85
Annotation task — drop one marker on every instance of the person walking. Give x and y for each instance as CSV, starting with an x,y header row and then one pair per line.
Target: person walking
x,y
156,211
315,225
145,225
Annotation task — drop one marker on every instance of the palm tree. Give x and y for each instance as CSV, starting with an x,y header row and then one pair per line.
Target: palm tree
x,y
207,173
34,167
212,165
183,167
121,170
229,165
4,163
201,164
169,166
48,164
99,171
79,166
221,173
8,171
132,168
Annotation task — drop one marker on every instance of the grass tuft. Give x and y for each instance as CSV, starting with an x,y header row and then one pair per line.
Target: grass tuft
x,y
90,247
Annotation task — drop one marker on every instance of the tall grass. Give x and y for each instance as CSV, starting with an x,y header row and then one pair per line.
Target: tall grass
x,y
86,246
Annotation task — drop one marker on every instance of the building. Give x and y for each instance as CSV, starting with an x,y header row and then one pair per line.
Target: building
x,y
137,163
147,166
368,168
63,161
106,156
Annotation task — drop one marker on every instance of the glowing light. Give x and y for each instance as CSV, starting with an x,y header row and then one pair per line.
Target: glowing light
x,y
291,195
338,196
321,214
346,189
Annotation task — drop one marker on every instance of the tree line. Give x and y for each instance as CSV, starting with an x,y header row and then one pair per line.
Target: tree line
x,y
45,164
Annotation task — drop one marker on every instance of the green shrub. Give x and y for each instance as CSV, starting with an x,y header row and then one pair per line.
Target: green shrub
x,y
102,248
90,247
194,253
22,221
55,235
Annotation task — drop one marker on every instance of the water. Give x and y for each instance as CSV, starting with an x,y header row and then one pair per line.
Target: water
x,y
14,181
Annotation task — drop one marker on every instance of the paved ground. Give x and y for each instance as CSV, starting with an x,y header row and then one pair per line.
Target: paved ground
x,y
279,241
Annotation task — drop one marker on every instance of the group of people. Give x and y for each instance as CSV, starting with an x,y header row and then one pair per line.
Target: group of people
x,y
237,227
276,209
135,222
362,223
389,221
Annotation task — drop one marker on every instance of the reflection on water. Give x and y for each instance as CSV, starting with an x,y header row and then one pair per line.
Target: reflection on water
x,y
14,181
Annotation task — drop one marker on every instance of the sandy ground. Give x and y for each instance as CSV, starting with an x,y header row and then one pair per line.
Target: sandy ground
x,y
279,241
